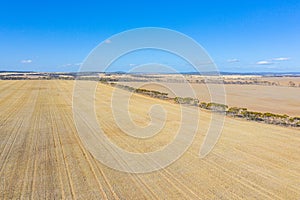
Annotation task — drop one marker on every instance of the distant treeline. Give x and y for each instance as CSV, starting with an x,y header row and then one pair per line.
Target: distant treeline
x,y
92,76
197,81
38,76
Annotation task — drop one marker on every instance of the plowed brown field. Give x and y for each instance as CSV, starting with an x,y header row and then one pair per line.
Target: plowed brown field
x,y
42,157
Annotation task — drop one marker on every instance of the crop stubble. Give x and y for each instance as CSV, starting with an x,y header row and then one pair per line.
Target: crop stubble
x,y
41,155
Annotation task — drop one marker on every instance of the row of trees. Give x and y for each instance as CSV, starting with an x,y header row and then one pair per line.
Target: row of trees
x,y
186,100
216,107
292,84
38,76
244,82
269,118
141,78
151,93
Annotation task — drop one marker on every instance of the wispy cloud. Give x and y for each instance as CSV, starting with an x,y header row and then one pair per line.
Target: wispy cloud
x,y
71,64
67,65
78,64
108,41
264,62
26,61
233,60
281,59
272,61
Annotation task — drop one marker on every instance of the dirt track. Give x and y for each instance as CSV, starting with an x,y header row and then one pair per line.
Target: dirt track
x,y
41,155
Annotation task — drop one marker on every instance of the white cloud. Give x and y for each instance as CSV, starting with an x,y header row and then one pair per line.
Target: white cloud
x,y
281,59
108,41
233,60
272,61
71,64
264,62
26,61
67,65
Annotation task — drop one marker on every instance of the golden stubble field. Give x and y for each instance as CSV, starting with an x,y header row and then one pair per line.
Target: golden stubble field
x,y
41,155
274,99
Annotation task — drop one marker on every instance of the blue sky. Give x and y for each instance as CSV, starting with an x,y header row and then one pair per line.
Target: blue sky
x,y
240,36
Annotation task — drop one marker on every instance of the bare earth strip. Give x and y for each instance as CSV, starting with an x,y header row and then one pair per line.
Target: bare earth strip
x,y
42,157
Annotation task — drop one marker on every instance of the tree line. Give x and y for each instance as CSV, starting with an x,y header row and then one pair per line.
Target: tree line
x,y
235,112
151,93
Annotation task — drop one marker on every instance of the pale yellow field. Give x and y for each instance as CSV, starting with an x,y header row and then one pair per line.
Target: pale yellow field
x,y
275,99
41,155
284,81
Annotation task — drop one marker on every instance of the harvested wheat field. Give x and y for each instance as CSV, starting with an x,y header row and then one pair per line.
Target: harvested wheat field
x,y
274,99
42,156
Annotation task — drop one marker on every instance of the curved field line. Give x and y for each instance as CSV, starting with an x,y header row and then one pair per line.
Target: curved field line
x,y
263,191
86,157
14,133
10,113
243,164
138,182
